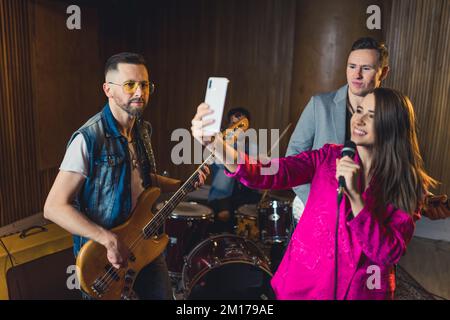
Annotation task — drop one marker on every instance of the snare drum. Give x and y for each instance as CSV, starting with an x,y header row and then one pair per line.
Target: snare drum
x,y
247,222
227,267
186,227
275,218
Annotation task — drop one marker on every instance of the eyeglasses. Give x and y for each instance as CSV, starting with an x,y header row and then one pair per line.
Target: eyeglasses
x,y
130,87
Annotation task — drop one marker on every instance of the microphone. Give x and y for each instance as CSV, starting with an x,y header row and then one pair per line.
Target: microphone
x,y
348,150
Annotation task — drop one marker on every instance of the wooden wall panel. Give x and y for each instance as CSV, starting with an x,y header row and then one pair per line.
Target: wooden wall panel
x,y
325,32
44,95
418,39
16,124
249,42
67,75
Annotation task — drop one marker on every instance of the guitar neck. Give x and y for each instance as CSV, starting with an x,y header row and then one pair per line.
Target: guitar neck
x,y
173,202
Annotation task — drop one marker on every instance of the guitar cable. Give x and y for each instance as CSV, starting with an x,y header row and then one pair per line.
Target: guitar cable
x,y
10,256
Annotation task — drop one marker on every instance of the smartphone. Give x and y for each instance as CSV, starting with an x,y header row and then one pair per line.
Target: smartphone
x,y
216,92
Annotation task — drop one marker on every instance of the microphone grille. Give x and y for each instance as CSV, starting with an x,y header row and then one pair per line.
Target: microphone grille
x,y
349,149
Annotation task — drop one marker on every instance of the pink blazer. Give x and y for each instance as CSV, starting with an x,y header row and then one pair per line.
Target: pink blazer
x,y
368,247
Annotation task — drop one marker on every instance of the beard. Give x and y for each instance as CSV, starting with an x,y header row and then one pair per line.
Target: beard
x,y
132,111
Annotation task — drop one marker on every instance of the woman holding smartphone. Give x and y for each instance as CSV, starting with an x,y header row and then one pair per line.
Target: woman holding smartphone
x,y
385,187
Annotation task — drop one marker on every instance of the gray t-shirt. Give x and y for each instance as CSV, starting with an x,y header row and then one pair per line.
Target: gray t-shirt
x,y
76,160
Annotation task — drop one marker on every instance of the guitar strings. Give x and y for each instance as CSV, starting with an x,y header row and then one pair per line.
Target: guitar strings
x,y
157,219
160,217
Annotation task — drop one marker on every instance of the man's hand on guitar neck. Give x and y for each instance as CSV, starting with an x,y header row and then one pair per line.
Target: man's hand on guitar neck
x,y
117,251
202,175
167,184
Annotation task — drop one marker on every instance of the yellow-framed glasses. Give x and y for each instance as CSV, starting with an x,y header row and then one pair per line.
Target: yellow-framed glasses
x,y
131,86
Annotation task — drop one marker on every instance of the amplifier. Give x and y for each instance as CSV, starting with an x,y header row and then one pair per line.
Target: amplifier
x,y
37,263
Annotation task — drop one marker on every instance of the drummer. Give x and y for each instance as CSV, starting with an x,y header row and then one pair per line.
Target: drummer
x,y
227,194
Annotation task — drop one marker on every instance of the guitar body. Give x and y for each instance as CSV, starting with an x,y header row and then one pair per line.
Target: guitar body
x,y
102,281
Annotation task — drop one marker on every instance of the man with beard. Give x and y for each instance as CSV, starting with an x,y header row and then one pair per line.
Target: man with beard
x,y
108,163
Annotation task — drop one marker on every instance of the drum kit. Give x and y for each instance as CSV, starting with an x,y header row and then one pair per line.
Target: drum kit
x,y
225,266
268,222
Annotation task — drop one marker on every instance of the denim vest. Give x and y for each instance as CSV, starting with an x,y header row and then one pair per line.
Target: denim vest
x,y
105,197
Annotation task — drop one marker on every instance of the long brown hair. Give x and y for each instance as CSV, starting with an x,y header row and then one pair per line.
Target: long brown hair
x,y
397,168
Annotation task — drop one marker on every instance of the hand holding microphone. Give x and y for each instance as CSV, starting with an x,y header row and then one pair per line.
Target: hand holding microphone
x,y
347,171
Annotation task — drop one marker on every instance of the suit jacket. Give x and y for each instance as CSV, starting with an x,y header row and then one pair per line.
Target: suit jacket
x,y
322,121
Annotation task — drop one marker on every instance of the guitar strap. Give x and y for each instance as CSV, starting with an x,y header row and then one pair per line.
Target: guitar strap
x,y
144,134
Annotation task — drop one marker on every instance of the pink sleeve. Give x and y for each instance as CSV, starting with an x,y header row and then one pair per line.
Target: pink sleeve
x,y
384,243
282,173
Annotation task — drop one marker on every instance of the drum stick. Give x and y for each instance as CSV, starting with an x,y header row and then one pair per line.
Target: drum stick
x,y
264,196
281,137
270,152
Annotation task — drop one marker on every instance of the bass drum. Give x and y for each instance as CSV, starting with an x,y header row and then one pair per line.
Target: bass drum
x,y
227,267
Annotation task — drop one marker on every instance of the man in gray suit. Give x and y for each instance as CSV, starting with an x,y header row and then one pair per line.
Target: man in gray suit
x,y
326,117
